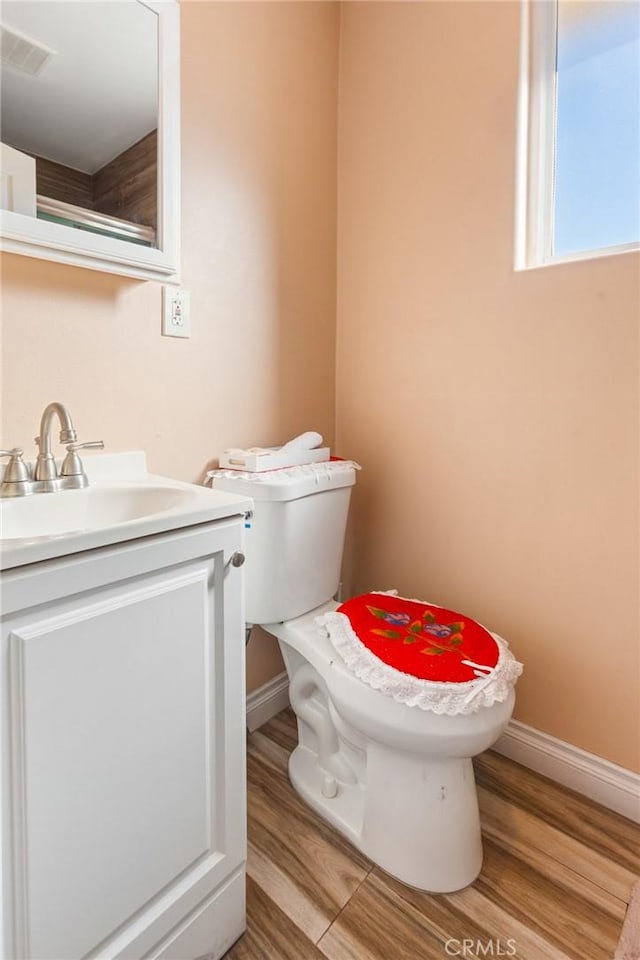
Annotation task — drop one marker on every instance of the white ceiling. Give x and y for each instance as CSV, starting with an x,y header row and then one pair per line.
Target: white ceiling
x,y
97,96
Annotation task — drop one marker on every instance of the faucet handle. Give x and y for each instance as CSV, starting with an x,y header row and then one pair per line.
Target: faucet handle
x,y
72,464
88,444
16,481
16,469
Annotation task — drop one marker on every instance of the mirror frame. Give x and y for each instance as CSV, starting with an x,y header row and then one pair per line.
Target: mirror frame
x,y
65,244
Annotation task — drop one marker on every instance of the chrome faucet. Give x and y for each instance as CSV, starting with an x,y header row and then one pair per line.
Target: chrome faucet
x,y
46,471
72,475
17,480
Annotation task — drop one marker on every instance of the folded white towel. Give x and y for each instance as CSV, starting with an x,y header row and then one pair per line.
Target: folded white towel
x,y
306,441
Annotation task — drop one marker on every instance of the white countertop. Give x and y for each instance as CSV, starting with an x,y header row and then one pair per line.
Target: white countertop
x,y
122,502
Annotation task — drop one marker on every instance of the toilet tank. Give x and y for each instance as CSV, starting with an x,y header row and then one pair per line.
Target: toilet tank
x,y
295,538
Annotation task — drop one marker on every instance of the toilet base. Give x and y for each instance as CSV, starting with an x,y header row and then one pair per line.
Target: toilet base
x,y
428,836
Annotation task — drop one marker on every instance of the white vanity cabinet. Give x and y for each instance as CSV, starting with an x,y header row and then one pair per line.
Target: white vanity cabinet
x,y
123,750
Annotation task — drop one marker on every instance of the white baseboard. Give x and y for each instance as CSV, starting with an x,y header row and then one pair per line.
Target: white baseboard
x,y
267,700
614,787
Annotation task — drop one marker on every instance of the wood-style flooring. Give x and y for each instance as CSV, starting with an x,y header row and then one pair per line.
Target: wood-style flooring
x,y
555,883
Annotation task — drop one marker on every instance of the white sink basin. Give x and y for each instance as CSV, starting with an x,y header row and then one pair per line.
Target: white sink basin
x,y
122,502
56,514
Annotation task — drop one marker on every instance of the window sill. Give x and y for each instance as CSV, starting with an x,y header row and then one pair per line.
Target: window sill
x,y
580,255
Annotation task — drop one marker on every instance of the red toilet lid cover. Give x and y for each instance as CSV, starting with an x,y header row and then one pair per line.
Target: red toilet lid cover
x,y
420,653
419,638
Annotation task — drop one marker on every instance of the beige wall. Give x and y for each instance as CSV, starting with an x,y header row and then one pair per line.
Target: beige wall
x,y
495,413
258,238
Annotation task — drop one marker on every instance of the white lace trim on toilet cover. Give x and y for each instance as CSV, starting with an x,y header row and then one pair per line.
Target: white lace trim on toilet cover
x,y
491,684
317,470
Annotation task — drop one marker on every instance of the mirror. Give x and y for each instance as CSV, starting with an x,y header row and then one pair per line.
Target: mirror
x,y
90,133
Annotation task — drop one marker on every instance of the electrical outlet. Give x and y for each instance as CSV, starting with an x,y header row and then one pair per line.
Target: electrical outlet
x,y
176,314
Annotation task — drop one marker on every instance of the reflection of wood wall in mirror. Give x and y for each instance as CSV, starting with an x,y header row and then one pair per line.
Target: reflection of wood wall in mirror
x,y
63,183
125,188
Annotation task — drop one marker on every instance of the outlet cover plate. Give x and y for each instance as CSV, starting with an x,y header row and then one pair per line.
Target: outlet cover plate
x,y
176,312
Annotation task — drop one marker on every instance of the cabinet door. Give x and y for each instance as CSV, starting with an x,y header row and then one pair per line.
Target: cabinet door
x,y
127,746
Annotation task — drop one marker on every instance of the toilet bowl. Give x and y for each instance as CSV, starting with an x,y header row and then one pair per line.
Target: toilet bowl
x,y
396,780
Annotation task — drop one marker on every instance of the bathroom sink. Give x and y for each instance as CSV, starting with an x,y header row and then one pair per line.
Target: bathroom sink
x,y
122,502
56,514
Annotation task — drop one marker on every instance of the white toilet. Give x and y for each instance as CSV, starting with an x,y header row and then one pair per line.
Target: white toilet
x,y
396,780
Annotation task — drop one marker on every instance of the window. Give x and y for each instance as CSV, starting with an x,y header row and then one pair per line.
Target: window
x,y
579,136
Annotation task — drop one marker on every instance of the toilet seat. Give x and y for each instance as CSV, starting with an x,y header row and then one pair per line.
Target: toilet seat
x,y
383,639
394,722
